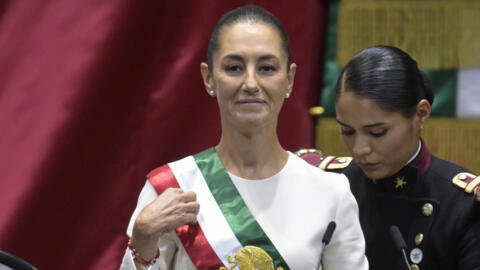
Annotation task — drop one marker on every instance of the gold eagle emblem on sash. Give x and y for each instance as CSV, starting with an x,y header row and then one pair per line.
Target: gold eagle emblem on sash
x,y
251,258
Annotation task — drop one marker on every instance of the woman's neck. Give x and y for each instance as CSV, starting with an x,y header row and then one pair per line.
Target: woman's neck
x,y
251,154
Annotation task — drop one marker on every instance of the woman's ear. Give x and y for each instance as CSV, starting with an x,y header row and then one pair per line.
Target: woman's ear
x,y
423,111
291,78
207,79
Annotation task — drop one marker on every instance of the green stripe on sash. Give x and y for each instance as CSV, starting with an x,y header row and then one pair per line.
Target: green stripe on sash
x,y
236,212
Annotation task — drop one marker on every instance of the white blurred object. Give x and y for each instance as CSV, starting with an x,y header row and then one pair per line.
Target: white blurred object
x,y
468,93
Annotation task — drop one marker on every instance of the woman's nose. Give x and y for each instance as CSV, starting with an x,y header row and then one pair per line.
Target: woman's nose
x,y
361,147
250,83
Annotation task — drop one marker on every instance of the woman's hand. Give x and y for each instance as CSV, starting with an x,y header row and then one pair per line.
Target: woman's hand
x,y
171,209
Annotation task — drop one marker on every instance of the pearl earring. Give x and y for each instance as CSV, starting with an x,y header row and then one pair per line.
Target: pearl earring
x,y
211,93
287,95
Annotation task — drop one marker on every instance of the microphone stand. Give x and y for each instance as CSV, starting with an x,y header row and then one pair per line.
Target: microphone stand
x,y
400,243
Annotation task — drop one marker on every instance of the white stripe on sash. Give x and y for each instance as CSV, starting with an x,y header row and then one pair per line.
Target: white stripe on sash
x,y
210,217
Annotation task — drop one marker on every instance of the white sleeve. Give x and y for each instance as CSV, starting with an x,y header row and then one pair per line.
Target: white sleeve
x,y
167,243
346,250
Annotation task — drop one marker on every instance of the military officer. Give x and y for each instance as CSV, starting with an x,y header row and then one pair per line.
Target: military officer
x,y
382,101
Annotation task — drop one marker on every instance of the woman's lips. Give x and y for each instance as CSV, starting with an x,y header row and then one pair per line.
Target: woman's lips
x,y
368,165
251,101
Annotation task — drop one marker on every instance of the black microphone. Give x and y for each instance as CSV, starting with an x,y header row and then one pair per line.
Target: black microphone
x,y
399,243
326,238
328,233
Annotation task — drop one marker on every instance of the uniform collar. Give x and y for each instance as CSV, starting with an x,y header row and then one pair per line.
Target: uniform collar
x,y
423,160
404,180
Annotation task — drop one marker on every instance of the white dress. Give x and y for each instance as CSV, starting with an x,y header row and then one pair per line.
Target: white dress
x,y
293,208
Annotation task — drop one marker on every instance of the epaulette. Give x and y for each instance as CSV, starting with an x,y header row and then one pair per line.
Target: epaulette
x,y
318,159
308,151
469,182
311,156
334,163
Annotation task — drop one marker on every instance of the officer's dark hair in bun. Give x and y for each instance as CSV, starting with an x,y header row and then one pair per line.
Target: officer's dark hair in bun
x,y
387,76
243,14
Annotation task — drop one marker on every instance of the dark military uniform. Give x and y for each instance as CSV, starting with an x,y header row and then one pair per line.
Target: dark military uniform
x,y
430,203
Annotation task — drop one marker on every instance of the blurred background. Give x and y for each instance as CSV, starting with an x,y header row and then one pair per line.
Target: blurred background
x,y
95,94
442,36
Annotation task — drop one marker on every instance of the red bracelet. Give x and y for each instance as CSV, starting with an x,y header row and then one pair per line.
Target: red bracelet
x,y
139,259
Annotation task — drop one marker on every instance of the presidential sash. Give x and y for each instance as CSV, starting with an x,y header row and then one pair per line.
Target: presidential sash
x,y
226,232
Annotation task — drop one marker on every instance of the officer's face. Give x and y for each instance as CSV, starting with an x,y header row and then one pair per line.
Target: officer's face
x,y
380,142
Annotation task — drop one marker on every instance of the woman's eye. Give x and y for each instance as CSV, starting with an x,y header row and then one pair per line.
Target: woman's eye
x,y
347,132
267,68
379,134
233,68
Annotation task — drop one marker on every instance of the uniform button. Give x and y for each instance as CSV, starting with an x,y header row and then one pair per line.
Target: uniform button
x,y
462,176
414,267
416,255
342,160
427,209
418,239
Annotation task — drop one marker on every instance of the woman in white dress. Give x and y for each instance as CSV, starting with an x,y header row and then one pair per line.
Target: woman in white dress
x,y
246,202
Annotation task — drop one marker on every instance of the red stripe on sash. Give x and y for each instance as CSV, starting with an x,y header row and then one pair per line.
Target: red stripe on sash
x,y
191,235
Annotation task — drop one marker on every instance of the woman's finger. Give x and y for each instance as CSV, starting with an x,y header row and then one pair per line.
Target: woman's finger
x,y
191,207
189,196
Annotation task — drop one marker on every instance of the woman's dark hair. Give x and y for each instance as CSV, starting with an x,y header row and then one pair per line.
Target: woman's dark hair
x,y
387,76
242,14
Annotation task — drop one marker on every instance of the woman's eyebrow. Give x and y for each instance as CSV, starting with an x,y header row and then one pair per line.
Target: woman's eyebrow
x,y
234,57
366,126
374,125
341,123
267,57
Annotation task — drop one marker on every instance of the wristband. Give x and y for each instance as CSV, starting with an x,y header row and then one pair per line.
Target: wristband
x,y
145,264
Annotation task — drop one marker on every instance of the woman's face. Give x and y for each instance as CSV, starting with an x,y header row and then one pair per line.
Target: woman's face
x,y
380,142
249,74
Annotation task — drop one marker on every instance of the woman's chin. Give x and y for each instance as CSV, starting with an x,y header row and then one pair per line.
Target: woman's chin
x,y
253,119
375,174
